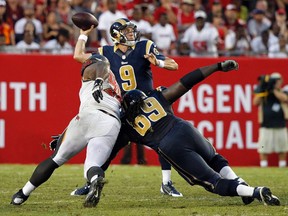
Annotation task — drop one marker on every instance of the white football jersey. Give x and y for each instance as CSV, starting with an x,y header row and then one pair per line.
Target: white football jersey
x,y
110,104
202,43
144,27
163,36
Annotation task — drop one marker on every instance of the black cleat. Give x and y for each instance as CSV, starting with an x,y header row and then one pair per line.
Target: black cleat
x,y
267,197
93,197
18,198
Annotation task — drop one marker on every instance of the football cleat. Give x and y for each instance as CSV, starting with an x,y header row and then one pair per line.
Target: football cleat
x,y
18,198
245,200
169,189
267,197
93,197
81,191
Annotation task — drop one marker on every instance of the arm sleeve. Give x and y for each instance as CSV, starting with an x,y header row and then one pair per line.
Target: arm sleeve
x,y
152,48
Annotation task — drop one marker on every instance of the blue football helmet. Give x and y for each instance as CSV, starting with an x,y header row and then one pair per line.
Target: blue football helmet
x,y
118,35
132,103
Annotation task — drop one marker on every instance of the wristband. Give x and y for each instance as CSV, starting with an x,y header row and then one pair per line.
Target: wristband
x,y
161,63
83,37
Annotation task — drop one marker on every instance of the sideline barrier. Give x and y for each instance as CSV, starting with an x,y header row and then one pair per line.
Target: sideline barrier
x,y
39,96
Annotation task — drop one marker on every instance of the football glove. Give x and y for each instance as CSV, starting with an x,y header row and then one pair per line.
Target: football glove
x,y
97,90
228,65
53,143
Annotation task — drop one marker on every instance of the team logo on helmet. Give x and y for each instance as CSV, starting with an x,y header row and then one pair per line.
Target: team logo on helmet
x,y
118,35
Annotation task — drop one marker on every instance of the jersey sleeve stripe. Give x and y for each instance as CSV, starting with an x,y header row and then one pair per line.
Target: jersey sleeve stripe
x,y
100,50
148,46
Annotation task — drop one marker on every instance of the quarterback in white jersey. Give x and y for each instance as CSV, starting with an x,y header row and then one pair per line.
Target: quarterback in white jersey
x,y
201,38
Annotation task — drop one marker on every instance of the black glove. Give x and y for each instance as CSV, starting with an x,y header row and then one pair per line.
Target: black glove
x,y
228,65
97,89
53,143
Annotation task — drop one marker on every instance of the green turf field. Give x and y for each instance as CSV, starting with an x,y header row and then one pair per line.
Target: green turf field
x,y
134,190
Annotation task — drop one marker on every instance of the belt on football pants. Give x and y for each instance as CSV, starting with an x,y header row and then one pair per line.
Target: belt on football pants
x,y
108,114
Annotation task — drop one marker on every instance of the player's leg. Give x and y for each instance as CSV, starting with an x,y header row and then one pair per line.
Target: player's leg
x,y
127,154
226,187
221,165
217,162
281,145
122,141
191,166
167,186
186,157
98,151
265,145
141,155
70,146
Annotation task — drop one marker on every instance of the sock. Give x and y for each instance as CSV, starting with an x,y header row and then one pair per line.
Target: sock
x,y
166,176
28,188
244,190
94,172
263,163
256,193
282,163
227,173
94,177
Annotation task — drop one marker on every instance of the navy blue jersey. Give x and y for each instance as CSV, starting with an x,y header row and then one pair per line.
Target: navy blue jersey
x,y
157,115
131,69
175,139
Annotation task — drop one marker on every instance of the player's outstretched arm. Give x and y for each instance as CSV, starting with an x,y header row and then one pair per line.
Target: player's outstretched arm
x,y
168,63
79,52
189,80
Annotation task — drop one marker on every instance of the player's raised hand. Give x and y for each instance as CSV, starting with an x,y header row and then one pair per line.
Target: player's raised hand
x,y
87,32
152,59
228,65
53,143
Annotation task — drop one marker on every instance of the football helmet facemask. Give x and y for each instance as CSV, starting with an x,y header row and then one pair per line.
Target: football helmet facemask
x,y
118,34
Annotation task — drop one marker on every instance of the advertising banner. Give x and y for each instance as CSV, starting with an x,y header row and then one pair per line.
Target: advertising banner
x,y
39,96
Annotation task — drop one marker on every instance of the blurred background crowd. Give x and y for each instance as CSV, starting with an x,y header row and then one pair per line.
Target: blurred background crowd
x,y
178,27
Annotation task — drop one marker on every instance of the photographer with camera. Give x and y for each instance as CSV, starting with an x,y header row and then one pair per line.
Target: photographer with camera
x,y
272,105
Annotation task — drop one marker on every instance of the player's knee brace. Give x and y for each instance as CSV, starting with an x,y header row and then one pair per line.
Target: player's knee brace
x,y
218,162
226,187
95,171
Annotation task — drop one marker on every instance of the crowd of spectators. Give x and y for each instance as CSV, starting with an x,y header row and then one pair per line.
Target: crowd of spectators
x,y
178,27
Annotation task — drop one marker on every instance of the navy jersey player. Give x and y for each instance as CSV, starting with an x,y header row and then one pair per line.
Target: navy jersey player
x,y
130,62
150,121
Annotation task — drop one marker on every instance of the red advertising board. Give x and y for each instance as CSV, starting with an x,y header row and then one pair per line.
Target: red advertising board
x,y
39,96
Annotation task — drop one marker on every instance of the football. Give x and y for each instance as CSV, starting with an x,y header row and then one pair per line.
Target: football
x,y
84,20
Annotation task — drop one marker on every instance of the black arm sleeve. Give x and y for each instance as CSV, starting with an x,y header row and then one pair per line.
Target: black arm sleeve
x,y
192,78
